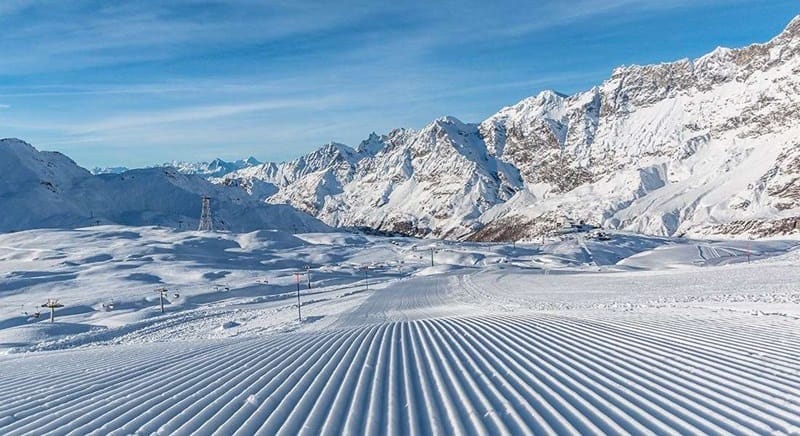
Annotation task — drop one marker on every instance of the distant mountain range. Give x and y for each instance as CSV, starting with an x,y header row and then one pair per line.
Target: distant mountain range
x,y
701,147
215,168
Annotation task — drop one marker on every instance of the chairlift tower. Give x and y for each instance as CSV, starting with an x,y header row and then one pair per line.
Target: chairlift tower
x,y
206,224
366,277
162,292
52,305
297,276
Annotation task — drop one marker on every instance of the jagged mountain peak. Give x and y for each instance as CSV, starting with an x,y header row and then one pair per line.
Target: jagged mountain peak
x,y
328,154
217,163
546,104
452,134
445,130
549,95
449,123
372,145
703,146
336,148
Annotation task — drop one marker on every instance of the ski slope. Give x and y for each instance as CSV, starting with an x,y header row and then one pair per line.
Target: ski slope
x,y
493,339
543,374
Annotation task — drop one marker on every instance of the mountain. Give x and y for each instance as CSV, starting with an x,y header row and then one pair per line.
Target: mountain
x,y
434,181
215,168
701,147
47,189
108,170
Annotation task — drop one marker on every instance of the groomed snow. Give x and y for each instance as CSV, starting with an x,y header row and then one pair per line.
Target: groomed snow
x,y
577,336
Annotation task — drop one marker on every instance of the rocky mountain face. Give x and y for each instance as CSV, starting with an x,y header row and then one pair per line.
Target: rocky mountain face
x,y
47,189
709,146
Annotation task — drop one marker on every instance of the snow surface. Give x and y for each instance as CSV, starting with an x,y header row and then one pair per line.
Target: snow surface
x,y
632,334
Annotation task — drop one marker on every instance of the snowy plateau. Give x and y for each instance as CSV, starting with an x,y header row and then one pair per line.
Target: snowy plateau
x,y
430,282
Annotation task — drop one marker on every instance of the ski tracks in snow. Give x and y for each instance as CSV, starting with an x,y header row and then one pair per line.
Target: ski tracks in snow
x,y
490,374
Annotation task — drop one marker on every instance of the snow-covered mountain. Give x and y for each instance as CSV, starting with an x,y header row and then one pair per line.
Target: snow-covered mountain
x,y
709,146
215,168
438,180
47,189
108,170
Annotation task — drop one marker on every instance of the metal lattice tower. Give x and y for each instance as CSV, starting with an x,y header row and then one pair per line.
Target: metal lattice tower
x,y
206,225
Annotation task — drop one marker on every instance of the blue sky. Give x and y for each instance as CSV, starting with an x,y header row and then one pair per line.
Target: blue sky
x,y
142,83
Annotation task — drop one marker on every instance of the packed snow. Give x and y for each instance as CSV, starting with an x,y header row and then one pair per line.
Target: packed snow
x,y
575,335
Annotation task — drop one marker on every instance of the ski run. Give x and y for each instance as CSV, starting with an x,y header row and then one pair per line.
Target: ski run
x,y
626,335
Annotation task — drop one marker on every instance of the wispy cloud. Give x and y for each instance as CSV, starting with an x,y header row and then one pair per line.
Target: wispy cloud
x,y
91,33
279,77
194,114
51,36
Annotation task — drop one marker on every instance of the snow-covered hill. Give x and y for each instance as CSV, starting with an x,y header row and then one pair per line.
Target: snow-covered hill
x,y
47,189
215,168
709,146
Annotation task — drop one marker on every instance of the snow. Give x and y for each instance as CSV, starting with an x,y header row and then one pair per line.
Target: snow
x,y
626,334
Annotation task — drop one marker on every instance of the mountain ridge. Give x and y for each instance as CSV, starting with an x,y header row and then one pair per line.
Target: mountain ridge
x,y
641,151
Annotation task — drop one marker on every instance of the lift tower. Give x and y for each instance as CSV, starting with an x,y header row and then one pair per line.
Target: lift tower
x,y
206,225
